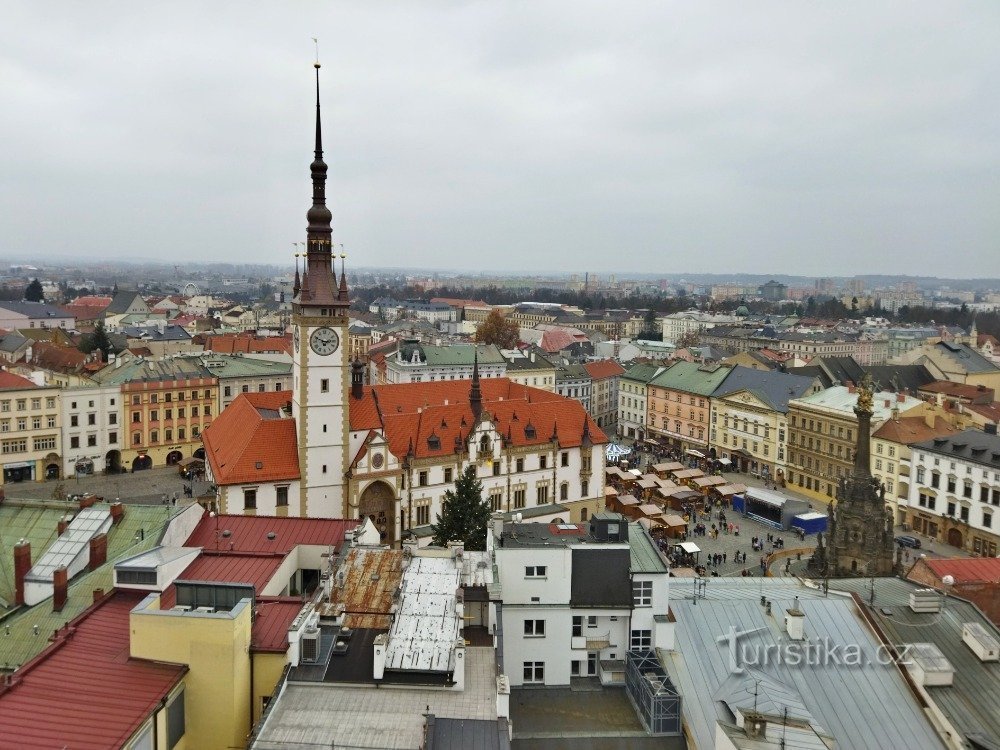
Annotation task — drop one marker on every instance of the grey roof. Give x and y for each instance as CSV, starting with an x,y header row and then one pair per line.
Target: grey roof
x,y
645,558
35,309
12,341
970,445
154,333
572,372
774,388
868,706
468,734
972,702
642,372
967,357
140,369
121,302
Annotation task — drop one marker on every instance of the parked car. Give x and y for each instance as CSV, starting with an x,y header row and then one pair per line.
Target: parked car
x,y
908,541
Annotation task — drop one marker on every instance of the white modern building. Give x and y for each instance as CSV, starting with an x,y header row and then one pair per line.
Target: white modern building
x,y
414,362
577,598
676,325
91,426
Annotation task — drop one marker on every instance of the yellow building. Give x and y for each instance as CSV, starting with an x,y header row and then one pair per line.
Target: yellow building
x,y
30,436
822,432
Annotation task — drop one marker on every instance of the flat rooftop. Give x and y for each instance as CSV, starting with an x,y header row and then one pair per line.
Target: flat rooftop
x,y
327,715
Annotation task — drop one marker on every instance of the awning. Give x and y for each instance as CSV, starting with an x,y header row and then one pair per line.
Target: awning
x,y
725,462
190,461
690,547
693,452
19,465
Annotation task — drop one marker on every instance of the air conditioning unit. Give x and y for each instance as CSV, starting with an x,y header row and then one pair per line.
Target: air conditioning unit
x,y
309,645
206,610
180,608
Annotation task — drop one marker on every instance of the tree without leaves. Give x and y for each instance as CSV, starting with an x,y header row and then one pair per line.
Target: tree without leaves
x,y
497,330
33,292
465,515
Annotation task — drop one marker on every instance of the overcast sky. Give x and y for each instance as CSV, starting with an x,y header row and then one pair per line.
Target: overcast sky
x,y
814,138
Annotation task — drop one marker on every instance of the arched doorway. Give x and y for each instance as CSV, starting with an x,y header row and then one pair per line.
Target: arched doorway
x,y
52,464
378,502
955,538
113,462
142,462
200,453
174,457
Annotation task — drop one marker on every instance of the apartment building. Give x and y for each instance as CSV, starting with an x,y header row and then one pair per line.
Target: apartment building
x,y
678,401
30,439
605,375
632,404
91,429
577,598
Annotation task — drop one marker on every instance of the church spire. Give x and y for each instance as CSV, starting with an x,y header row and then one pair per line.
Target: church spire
x,y
475,394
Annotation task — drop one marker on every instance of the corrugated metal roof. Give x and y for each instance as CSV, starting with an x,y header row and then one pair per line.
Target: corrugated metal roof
x,y
427,624
272,618
966,569
860,706
249,533
644,556
226,567
85,692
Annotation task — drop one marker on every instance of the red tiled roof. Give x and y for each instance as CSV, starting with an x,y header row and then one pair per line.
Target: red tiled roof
x,y
10,380
556,340
231,344
249,533
966,569
91,300
957,390
444,412
226,567
251,431
55,357
603,368
909,430
84,691
274,615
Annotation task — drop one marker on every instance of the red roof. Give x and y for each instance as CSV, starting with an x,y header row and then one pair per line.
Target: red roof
x,y
966,569
603,368
252,432
10,380
91,300
249,533
231,344
556,340
226,567
84,691
959,390
274,615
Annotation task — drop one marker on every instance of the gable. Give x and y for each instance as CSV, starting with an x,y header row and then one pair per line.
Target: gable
x,y
748,398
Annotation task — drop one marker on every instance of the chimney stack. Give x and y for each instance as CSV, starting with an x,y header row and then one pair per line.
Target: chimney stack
x,y
60,586
87,501
22,564
98,551
98,595
62,525
117,513
357,379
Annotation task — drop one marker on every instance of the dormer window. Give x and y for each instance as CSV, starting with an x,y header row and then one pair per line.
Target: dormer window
x,y
434,442
529,431
484,444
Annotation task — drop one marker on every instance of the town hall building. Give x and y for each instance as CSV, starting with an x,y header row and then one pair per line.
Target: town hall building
x,y
336,448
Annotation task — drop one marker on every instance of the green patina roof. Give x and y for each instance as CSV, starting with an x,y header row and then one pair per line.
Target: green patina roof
x,y
228,366
691,377
22,643
462,355
641,373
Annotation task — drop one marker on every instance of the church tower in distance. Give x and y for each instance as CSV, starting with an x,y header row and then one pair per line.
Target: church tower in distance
x,y
860,541
320,369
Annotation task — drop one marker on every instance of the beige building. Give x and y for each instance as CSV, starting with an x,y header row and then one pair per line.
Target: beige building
x,y
30,440
530,368
822,431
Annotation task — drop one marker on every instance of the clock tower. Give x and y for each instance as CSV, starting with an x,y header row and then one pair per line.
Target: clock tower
x,y
320,370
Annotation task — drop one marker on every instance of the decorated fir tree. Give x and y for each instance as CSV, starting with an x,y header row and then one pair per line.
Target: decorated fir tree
x,y
465,516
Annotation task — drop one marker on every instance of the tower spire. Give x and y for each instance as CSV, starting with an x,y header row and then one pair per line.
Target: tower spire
x,y
475,394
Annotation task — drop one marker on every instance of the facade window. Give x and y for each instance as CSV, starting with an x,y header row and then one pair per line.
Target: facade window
x,y
967,489
564,491
535,571
640,640
250,499
543,461
987,520
642,593
113,438
448,473
534,628
496,500
564,458
227,391
496,468
91,441
282,496
324,386
74,421
542,494
154,416
423,514
519,464
534,672
181,433
519,496
422,479
136,399
935,477
44,444
74,442
136,417
154,437
136,438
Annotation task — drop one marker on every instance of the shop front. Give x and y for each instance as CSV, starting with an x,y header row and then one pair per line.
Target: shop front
x,y
19,471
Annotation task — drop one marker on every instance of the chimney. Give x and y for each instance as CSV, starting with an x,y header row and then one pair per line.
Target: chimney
x,y
60,584
61,525
901,398
98,595
87,500
117,513
98,551
381,646
22,564
795,620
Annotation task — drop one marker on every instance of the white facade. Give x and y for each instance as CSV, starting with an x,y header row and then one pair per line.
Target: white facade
x,y
676,325
91,426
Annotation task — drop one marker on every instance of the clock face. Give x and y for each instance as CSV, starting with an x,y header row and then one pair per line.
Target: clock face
x,y
295,338
324,341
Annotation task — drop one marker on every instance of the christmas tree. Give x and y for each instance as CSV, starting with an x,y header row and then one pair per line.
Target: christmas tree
x,y
464,516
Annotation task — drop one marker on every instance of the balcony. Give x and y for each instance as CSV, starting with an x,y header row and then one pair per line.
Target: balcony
x,y
598,642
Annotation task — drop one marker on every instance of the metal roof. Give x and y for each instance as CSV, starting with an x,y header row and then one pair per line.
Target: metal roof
x,y
87,524
427,624
972,702
644,556
868,706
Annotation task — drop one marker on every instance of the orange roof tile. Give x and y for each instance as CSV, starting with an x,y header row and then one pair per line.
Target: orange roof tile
x,y
249,534
603,368
966,569
908,430
957,390
251,441
232,344
9,380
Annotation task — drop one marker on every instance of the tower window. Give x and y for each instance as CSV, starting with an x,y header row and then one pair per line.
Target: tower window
x,y
324,385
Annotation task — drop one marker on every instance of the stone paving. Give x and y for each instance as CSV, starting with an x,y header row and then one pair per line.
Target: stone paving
x,y
150,487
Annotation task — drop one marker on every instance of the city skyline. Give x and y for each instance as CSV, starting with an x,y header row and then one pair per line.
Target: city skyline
x,y
668,139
